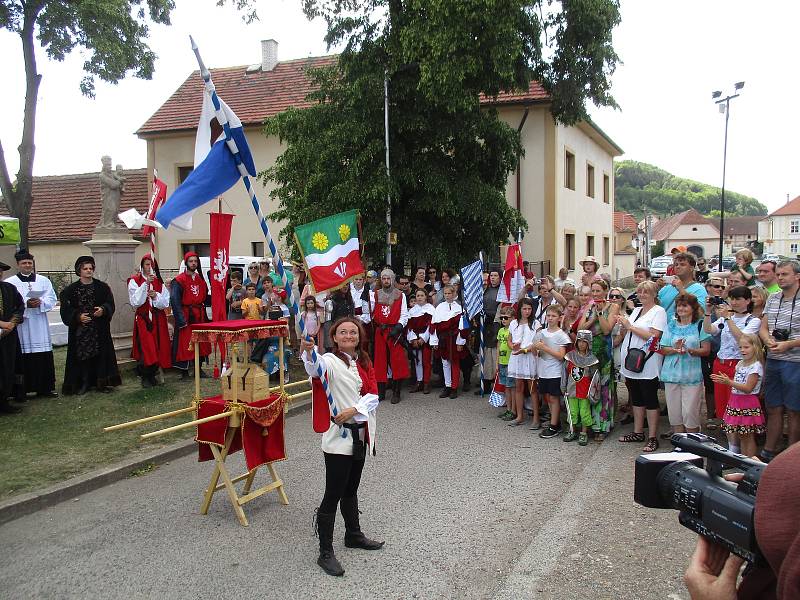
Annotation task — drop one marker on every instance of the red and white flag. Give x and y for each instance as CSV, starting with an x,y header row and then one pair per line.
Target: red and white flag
x,y
513,277
218,277
156,200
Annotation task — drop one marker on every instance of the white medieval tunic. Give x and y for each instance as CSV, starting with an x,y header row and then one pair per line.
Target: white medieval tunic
x,y
34,332
345,384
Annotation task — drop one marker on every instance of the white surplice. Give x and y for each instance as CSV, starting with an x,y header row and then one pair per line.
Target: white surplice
x,y
34,332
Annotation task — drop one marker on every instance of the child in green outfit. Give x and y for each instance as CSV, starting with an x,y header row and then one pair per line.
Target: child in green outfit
x,y
503,354
581,384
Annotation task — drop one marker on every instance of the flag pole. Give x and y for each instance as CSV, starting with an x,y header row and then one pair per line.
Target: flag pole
x,y
222,119
153,232
481,332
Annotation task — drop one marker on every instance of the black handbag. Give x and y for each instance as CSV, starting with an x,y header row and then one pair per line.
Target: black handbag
x,y
635,359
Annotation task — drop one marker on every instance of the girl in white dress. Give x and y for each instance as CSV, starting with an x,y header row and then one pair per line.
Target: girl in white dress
x,y
522,362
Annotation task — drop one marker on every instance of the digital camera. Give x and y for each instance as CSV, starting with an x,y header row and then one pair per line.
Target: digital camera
x,y
781,335
716,301
719,510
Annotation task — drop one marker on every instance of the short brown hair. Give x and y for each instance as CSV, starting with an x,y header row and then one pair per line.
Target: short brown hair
x,y
687,256
690,300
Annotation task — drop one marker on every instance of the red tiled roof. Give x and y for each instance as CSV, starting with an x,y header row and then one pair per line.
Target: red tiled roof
x,y
624,222
252,96
535,93
664,228
790,208
261,94
68,207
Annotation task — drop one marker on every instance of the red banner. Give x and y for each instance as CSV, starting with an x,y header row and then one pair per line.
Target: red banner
x,y
156,200
218,277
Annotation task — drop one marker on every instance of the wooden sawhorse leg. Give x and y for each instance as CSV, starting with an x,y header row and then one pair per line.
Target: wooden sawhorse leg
x,y
221,470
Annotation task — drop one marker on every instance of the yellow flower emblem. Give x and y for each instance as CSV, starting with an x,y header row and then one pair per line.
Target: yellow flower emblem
x,y
319,240
344,231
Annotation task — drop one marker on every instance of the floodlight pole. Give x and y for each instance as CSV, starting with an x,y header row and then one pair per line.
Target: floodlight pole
x,y
727,101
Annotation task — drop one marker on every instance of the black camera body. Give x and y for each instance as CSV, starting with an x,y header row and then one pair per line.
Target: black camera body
x,y
717,509
717,301
781,335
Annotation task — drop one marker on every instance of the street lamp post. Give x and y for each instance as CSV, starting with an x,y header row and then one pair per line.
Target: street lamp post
x,y
725,107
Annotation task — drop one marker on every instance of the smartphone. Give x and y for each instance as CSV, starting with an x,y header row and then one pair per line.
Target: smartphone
x,y
668,279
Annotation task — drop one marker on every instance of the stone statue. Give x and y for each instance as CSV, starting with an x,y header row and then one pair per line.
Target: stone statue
x,y
112,186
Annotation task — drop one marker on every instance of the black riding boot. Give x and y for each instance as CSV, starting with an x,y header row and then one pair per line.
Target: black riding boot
x,y
396,387
353,538
381,392
327,559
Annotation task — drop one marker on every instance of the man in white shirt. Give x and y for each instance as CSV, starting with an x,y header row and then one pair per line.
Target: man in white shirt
x,y
34,332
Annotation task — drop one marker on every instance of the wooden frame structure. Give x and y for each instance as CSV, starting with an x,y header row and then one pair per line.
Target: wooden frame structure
x,y
235,411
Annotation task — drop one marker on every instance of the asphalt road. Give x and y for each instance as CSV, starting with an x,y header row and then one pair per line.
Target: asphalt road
x,y
469,508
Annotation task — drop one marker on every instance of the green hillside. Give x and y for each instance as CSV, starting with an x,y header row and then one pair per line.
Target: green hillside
x,y
640,187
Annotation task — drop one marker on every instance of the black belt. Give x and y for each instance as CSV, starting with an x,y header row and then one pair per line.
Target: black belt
x,y
359,447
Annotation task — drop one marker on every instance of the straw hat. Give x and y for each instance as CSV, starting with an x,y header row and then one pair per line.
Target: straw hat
x,y
590,259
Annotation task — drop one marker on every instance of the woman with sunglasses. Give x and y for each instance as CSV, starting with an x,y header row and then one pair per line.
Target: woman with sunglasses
x,y
616,296
254,277
715,286
600,319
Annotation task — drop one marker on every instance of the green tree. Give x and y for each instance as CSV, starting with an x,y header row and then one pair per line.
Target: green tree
x,y
450,158
112,33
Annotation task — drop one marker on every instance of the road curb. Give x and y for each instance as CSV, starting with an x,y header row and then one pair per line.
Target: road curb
x,y
25,504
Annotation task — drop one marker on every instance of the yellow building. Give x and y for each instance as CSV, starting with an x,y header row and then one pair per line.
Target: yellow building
x,y
564,185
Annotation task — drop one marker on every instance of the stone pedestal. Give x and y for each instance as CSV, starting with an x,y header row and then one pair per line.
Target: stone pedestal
x,y
114,252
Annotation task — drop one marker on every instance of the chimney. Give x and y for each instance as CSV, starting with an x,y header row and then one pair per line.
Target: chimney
x,y
269,54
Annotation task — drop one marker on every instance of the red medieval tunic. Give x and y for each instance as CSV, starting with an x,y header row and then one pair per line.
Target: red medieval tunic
x,y
151,345
187,296
389,350
448,336
419,320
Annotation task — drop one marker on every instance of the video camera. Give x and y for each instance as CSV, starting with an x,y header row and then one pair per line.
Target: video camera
x,y
719,510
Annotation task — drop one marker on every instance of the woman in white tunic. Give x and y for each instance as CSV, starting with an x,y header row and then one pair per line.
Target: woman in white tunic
x,y
350,436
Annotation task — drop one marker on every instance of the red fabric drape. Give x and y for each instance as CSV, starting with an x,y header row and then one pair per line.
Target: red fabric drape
x,y
258,449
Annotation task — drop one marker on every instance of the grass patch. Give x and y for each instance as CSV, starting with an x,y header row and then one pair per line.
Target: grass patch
x,y
54,439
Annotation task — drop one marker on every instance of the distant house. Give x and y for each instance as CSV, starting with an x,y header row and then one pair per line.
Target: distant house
x,y
740,232
625,252
65,211
691,229
564,185
780,230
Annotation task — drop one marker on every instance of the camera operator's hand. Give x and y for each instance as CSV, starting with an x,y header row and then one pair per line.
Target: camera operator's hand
x,y
713,572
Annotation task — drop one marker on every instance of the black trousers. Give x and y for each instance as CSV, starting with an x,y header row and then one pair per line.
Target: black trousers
x,y
342,477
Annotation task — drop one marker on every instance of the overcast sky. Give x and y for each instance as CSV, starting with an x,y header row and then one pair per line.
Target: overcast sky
x,y
675,53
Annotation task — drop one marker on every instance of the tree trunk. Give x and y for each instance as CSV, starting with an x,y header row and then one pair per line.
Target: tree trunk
x,y
18,197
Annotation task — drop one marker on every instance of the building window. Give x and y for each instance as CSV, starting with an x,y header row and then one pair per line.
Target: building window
x,y
256,248
606,247
793,248
199,248
183,173
794,226
569,251
590,180
590,245
606,189
569,170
